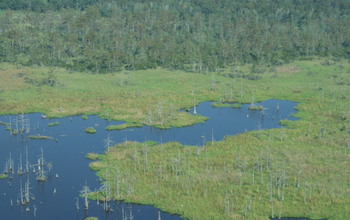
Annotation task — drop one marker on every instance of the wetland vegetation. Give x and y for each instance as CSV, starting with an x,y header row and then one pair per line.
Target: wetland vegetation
x,y
53,124
90,130
278,172
149,63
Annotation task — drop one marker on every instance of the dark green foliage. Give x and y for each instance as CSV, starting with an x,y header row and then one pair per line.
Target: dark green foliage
x,y
194,35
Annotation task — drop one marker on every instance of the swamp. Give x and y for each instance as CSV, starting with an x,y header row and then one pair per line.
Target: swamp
x,y
196,109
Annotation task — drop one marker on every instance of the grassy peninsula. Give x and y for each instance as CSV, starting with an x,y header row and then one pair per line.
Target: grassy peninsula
x,y
300,171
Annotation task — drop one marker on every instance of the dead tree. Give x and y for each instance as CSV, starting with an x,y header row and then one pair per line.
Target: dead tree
x,y
108,142
84,192
41,168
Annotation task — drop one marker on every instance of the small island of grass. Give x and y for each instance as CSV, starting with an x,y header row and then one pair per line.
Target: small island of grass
x,y
40,137
90,130
123,126
53,124
237,105
3,176
255,107
91,218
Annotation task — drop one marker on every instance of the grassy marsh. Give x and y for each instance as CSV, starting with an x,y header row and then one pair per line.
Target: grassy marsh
x,y
302,171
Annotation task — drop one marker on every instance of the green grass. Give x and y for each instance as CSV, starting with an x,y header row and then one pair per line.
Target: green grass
x,y
90,130
123,126
53,124
92,156
237,105
84,117
151,97
255,107
214,182
39,137
91,218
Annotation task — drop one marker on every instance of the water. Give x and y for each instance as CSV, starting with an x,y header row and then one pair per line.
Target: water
x,y
56,198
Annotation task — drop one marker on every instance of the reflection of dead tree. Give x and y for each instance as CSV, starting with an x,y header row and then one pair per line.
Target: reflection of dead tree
x,y
194,107
27,161
77,203
126,215
106,192
20,168
25,195
21,196
9,166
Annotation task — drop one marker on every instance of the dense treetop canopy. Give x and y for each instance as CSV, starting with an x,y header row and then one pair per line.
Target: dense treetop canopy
x,y
193,35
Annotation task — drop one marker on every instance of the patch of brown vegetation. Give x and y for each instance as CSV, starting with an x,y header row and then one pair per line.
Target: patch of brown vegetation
x,y
287,69
12,79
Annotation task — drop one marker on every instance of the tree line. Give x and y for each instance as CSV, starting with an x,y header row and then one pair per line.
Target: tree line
x,y
194,35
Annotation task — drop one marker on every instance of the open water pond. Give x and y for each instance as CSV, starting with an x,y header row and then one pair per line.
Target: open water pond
x,y
58,197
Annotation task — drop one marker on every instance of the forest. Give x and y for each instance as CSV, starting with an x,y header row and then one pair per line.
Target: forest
x,y
195,35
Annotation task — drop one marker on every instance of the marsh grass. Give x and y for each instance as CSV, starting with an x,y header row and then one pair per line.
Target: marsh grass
x,y
92,156
255,107
123,126
90,130
53,124
91,218
40,137
237,105
303,171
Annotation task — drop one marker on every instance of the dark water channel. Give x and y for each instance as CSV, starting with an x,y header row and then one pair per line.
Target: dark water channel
x,y
57,197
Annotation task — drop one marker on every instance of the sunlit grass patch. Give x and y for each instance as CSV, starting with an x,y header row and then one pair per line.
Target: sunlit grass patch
x,y
53,124
90,130
123,126
92,156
